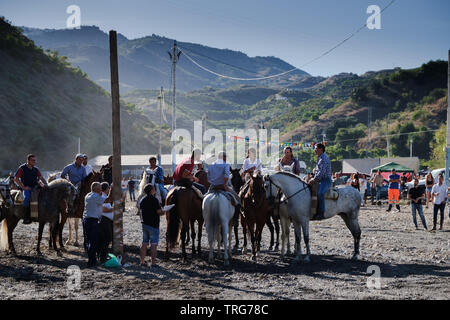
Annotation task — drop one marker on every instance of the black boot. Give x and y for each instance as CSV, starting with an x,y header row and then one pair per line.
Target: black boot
x,y
398,207
389,209
27,217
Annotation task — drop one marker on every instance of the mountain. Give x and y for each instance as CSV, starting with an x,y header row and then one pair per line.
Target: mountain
x,y
144,63
47,104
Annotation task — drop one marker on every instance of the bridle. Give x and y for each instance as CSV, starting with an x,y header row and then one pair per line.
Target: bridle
x,y
305,186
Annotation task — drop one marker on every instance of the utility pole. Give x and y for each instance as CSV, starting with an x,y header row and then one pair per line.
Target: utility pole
x,y
447,149
160,98
79,145
174,56
387,137
117,168
410,147
204,117
369,124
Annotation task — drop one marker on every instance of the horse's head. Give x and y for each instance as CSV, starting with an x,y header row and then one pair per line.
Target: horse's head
x,y
70,195
236,179
257,186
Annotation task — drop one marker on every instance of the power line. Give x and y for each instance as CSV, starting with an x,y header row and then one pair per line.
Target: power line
x,y
288,71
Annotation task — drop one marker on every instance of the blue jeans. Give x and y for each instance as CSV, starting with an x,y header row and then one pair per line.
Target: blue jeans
x,y
27,197
162,191
418,207
324,185
91,232
132,195
378,192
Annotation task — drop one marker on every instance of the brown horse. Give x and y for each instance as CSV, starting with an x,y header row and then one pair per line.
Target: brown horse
x,y
254,212
84,189
187,210
168,180
202,177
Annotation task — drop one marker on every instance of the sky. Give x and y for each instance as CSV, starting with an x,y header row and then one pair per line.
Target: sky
x,y
412,31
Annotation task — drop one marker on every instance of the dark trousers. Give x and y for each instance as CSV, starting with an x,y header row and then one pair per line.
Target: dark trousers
x,y
105,237
438,207
187,183
91,230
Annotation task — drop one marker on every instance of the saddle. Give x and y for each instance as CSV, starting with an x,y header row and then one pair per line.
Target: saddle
x,y
331,194
177,188
227,193
18,197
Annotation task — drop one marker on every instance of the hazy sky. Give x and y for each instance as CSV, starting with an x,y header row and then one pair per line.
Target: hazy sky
x,y
412,31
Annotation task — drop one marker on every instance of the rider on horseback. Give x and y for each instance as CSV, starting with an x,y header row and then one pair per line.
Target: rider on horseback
x,y
322,176
27,177
183,172
155,176
218,175
75,171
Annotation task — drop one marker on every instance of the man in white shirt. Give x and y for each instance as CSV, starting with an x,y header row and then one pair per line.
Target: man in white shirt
x,y
86,165
105,226
439,197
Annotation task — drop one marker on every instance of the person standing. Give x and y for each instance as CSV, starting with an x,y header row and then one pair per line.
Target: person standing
x,y
439,197
354,181
416,194
93,207
86,165
106,224
378,181
27,178
106,171
429,183
150,217
394,190
322,176
131,187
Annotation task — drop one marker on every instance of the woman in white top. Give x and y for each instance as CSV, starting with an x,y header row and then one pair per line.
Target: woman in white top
x,y
252,164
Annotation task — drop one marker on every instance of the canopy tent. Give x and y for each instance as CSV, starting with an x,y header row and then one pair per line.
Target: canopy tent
x,y
387,168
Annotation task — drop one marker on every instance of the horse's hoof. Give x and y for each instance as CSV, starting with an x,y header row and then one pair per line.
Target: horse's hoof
x,y
254,258
277,248
76,244
227,263
59,253
355,257
244,251
68,242
271,248
306,260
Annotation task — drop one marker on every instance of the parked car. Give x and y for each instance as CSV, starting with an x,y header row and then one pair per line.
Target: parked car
x,y
434,173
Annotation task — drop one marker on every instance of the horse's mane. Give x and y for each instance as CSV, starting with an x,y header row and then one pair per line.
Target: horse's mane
x,y
58,183
290,174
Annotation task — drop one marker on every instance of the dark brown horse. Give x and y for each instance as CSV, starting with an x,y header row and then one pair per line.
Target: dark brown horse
x,y
254,211
57,197
168,180
202,177
187,210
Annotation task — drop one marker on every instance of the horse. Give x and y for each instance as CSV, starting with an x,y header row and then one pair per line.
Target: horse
x,y
218,215
298,197
237,182
83,190
202,177
58,196
254,213
187,210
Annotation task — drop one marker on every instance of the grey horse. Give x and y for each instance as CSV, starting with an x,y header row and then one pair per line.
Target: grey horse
x,y
298,197
55,198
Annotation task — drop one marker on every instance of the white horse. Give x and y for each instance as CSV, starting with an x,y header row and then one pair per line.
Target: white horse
x,y
218,215
141,192
298,199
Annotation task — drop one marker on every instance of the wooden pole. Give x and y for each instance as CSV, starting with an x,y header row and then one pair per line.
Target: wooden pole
x,y
447,145
117,167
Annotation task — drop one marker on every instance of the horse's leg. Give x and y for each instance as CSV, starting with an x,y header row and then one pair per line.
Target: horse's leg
x,y
353,225
284,235
236,228
298,237
69,240
258,233
199,243
244,232
183,241
226,259
12,223
54,227
270,226
251,227
305,227
50,237
61,228
41,229
192,223
76,220
277,230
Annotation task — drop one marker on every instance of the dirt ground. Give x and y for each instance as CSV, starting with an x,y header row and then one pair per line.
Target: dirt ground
x,y
413,264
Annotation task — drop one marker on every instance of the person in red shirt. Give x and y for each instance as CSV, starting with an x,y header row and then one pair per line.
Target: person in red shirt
x,y
183,176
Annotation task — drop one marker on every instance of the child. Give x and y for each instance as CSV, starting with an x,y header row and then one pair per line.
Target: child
x,y
150,212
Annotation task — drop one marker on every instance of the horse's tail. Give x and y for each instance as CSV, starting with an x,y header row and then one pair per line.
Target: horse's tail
x,y
173,227
4,245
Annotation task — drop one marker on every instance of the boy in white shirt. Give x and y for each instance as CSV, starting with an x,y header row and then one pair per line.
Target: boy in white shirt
x,y
439,197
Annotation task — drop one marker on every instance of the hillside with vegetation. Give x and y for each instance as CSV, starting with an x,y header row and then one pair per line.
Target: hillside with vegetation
x,y
145,64
47,104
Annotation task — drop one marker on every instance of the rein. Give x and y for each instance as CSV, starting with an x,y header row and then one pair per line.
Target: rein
x,y
305,186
